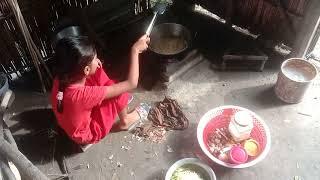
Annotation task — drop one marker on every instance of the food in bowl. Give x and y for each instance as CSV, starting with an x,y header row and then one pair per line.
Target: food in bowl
x,y
169,45
227,138
190,168
218,140
220,143
189,172
218,118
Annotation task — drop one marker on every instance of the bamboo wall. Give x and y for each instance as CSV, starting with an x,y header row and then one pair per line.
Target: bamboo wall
x,y
278,19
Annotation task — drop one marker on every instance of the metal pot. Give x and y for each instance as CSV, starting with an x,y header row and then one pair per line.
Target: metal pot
x,y
170,39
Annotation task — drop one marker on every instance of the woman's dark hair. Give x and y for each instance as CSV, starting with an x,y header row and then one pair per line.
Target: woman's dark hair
x,y
72,55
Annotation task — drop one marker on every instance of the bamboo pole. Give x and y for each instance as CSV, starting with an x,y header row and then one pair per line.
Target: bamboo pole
x,y
27,169
33,49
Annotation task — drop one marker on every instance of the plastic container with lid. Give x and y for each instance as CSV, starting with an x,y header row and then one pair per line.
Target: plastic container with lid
x,y
238,155
241,125
252,147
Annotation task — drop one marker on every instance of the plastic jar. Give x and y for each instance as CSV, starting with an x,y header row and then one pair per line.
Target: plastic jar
x,y
240,126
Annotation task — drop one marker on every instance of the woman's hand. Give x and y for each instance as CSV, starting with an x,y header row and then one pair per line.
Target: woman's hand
x,y
141,44
133,75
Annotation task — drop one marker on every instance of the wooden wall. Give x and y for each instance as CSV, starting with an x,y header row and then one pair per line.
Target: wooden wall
x,y
14,58
284,20
275,19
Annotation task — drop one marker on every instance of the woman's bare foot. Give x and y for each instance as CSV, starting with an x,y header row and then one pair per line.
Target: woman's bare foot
x,y
128,120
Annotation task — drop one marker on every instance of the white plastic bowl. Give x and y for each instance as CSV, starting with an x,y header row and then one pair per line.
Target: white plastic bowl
x,y
192,161
206,118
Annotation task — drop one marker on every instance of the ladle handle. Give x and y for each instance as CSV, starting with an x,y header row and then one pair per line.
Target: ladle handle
x,y
151,24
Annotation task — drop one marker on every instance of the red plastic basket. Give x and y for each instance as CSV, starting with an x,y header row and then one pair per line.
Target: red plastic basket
x,y
220,118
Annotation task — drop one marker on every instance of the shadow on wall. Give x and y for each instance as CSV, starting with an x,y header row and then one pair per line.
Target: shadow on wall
x,y
38,137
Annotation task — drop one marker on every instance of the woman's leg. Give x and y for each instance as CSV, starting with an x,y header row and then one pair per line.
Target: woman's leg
x,y
127,119
105,113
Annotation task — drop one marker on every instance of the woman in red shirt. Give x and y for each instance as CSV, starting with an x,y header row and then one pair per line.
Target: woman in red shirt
x,y
84,99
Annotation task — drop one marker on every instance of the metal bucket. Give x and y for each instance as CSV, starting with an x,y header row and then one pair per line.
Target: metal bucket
x,y
294,79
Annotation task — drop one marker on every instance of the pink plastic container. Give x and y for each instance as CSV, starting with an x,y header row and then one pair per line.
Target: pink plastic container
x,y
238,155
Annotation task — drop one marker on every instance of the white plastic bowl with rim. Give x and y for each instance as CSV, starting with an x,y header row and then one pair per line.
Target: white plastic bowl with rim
x,y
192,161
207,117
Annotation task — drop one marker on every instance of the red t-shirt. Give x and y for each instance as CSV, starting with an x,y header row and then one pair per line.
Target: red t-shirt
x,y
77,119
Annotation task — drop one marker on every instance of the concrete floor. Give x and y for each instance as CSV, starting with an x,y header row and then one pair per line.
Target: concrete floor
x,y
295,149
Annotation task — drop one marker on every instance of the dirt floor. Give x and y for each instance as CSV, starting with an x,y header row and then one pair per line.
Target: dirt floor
x,y
294,129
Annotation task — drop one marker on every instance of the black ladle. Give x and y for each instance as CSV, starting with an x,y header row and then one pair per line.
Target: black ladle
x,y
159,8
